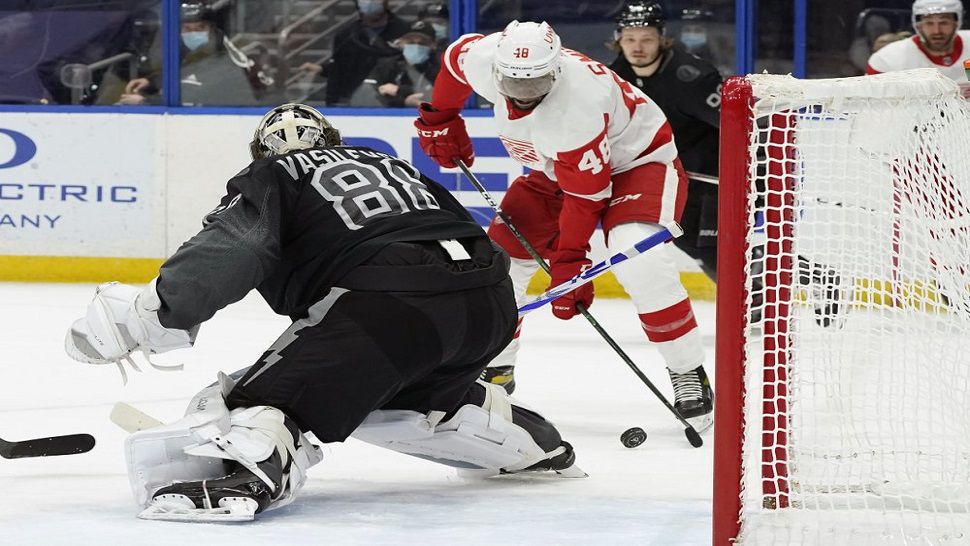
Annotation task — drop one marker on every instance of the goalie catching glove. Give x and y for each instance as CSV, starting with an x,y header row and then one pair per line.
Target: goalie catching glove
x,y
120,320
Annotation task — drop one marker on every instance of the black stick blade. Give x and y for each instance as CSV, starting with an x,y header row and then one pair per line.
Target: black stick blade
x,y
693,437
47,447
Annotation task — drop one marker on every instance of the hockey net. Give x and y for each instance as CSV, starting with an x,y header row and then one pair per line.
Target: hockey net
x,y
843,326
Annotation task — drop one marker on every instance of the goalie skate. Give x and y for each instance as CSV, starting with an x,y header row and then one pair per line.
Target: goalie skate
x,y
561,464
236,497
182,509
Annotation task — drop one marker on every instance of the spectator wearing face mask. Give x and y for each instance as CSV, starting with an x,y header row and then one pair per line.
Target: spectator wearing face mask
x,y
407,80
436,13
214,71
357,48
693,33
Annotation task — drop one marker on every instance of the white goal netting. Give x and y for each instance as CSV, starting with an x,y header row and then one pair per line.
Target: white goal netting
x,y
857,348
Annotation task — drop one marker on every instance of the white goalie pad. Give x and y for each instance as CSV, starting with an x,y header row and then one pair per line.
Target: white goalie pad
x,y
156,456
195,447
476,437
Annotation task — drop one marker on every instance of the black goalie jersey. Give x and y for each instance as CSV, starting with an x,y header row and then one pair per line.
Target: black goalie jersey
x,y
295,225
688,90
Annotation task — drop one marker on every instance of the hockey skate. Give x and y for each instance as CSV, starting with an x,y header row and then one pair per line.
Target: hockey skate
x,y
238,496
693,397
239,485
830,292
503,376
562,462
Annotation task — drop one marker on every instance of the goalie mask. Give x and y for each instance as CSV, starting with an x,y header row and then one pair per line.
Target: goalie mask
x,y
527,61
292,127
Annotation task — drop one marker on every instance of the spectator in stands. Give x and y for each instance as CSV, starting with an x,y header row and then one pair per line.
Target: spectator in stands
x,y
36,45
407,80
872,25
693,32
214,71
145,47
883,40
436,13
357,48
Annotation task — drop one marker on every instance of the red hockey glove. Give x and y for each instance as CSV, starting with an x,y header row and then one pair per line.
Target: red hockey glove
x,y
563,270
443,137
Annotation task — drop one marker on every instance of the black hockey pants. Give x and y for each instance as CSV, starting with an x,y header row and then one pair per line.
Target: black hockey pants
x,y
358,351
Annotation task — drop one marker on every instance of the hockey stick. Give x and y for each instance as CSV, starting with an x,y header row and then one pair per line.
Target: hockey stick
x,y
132,419
587,276
47,447
703,178
692,436
714,180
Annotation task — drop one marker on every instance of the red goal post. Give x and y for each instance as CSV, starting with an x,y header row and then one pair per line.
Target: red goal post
x,y
843,315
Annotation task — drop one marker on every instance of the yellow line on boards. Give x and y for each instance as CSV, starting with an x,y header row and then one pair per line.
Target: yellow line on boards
x,y
142,270
77,269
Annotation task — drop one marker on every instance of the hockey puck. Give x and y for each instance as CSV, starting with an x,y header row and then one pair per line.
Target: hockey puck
x,y
693,437
633,437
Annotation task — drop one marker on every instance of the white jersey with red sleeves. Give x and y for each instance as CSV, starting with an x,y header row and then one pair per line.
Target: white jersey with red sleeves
x,y
910,53
591,124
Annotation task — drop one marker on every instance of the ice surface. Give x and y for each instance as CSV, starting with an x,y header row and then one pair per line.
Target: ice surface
x,y
659,493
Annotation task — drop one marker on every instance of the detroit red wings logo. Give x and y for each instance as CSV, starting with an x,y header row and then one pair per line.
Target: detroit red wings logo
x,y
520,150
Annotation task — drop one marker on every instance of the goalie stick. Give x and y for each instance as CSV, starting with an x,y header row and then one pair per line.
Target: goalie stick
x,y
132,419
50,446
689,431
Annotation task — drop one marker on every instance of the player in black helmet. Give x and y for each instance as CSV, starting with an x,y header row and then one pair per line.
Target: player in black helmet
x,y
398,301
688,90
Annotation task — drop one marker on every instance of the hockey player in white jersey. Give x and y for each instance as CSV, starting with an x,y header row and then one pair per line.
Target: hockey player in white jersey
x,y
601,153
939,43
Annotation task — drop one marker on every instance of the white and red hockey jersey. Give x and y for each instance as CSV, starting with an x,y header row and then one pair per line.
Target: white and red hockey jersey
x,y
910,53
590,125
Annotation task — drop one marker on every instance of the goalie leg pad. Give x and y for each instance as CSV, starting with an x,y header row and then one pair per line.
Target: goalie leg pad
x,y
196,448
156,456
477,437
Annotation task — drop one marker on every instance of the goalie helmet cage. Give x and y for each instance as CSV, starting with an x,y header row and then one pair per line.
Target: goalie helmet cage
x,y
843,316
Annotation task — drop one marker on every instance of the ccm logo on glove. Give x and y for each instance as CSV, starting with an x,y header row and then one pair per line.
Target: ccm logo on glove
x,y
432,134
